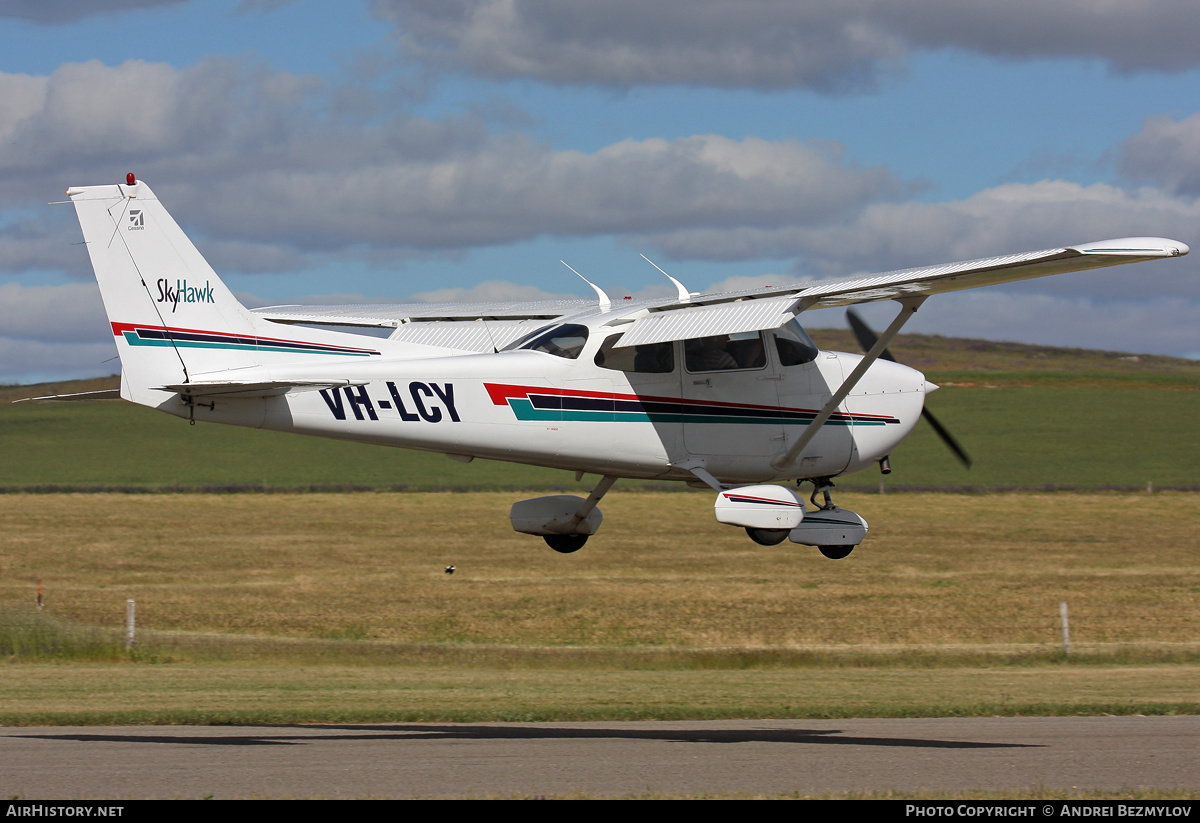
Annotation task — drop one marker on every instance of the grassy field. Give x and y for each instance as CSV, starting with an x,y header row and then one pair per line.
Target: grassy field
x,y
339,602
226,693
1056,430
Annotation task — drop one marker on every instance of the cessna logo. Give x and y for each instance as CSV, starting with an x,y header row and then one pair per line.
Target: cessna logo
x,y
432,402
181,292
137,220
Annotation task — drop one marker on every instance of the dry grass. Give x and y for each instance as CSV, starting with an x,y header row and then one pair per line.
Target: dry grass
x,y
939,570
335,607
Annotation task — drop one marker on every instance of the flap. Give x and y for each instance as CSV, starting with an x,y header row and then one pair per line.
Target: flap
x,y
707,321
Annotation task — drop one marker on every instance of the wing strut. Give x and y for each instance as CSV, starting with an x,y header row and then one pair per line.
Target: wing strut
x,y
601,489
908,307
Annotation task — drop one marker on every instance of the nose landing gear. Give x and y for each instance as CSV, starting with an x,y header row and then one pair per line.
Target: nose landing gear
x,y
834,531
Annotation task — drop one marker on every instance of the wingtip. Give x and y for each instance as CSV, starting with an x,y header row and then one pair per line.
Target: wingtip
x,y
1135,247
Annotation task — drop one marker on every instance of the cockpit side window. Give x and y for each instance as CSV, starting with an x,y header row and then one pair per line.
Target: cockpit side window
x,y
566,341
520,342
794,345
651,358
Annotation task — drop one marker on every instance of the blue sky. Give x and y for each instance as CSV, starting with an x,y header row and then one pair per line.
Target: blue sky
x,y
457,149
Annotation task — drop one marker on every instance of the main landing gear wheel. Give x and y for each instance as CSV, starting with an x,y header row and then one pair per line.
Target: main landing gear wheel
x,y
767,537
565,543
835,552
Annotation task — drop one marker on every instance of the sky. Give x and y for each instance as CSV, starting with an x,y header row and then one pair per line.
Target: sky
x,y
399,150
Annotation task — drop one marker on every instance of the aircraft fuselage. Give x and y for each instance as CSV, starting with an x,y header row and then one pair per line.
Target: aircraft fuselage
x,y
532,407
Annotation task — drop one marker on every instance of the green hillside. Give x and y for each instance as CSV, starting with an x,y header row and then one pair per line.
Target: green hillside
x,y
952,360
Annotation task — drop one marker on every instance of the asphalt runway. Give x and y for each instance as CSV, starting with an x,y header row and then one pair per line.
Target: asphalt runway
x,y
544,759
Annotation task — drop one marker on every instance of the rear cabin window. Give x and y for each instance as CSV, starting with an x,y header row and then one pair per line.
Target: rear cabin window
x,y
651,358
725,352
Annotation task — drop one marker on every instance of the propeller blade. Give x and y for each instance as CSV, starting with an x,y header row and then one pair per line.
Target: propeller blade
x,y
947,438
867,338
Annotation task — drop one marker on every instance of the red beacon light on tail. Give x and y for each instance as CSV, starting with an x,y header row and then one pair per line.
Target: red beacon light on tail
x,y
130,180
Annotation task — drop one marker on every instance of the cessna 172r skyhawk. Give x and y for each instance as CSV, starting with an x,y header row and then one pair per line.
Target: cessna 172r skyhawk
x,y
723,390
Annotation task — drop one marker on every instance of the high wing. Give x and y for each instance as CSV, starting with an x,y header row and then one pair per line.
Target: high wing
x,y
970,274
765,308
491,326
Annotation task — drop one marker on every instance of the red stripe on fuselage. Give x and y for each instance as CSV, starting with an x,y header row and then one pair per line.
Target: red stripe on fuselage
x,y
501,393
120,328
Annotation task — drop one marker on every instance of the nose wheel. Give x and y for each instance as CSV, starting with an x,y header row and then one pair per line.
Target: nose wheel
x,y
835,552
565,543
829,523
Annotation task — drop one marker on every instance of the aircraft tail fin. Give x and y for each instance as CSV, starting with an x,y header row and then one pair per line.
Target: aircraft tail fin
x,y
172,317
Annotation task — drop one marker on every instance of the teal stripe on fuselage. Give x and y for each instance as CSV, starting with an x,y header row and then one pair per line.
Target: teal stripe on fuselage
x,y
132,339
525,410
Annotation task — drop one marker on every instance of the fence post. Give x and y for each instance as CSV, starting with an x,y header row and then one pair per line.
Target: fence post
x,y
1066,630
129,623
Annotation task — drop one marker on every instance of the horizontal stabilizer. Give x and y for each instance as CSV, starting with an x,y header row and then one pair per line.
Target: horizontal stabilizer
x,y
101,394
231,389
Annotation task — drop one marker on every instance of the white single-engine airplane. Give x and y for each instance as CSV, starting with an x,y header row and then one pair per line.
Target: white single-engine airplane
x,y
723,390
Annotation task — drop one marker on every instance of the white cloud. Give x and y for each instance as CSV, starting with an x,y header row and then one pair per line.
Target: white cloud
x,y
35,361
760,44
1008,218
249,156
68,313
49,242
1165,152
509,188
273,181
54,332
824,45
